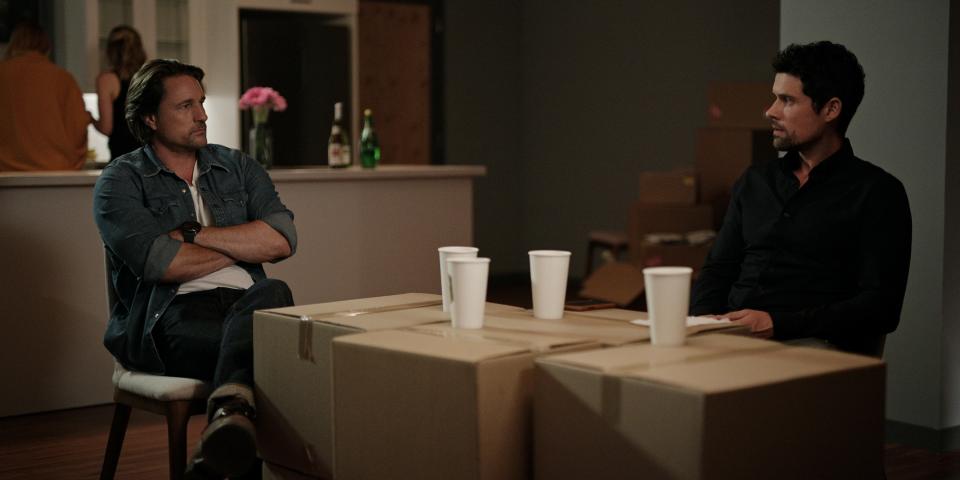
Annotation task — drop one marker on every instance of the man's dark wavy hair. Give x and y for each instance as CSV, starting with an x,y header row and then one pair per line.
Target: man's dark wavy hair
x,y
827,70
146,91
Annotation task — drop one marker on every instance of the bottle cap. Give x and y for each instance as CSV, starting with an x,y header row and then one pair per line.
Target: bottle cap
x,y
368,112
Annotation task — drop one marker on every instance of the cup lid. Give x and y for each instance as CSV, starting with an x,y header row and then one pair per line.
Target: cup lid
x,y
458,249
468,260
667,270
549,253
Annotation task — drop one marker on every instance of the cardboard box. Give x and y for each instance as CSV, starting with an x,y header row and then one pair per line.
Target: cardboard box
x,y
739,104
293,372
683,255
722,155
719,407
272,471
678,187
645,219
617,282
430,405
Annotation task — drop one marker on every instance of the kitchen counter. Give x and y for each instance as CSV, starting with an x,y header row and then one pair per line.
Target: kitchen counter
x,y
362,233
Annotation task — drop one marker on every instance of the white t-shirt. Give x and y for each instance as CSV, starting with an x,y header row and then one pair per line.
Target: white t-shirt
x,y
228,277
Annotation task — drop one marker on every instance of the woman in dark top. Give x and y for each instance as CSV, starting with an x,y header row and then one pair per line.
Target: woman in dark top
x,y
125,56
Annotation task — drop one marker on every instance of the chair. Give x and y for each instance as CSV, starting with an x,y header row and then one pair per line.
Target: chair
x,y
175,398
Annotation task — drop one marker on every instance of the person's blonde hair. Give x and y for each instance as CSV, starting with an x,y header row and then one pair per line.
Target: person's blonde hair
x,y
27,36
125,51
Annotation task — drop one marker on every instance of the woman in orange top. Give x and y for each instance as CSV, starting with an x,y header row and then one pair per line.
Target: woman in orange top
x,y
43,124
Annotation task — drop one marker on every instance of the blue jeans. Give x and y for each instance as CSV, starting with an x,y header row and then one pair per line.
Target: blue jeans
x,y
208,335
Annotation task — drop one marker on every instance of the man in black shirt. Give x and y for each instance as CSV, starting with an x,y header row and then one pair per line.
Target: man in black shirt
x,y
815,244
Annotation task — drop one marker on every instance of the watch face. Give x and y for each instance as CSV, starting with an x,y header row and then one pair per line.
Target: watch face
x,y
189,230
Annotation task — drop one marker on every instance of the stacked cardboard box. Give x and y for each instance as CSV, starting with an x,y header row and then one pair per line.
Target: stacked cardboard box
x,y
434,402
718,407
386,388
294,376
667,205
737,135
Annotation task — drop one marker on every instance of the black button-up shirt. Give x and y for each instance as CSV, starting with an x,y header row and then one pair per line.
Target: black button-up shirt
x,y
827,260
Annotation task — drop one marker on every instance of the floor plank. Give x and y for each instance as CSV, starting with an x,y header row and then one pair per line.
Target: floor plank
x,y
69,444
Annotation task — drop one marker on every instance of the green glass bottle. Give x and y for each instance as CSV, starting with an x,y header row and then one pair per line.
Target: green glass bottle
x,y
369,146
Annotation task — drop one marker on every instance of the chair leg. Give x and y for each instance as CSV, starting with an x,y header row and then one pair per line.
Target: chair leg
x,y
178,416
118,429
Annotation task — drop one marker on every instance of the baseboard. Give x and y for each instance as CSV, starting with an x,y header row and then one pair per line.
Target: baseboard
x,y
938,440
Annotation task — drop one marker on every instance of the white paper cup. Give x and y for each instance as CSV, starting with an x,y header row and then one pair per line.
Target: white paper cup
x,y
447,253
548,282
668,297
468,286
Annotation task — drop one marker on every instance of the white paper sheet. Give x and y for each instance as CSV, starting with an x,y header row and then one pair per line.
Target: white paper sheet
x,y
691,321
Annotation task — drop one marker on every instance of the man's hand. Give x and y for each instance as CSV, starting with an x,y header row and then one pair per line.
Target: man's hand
x,y
760,323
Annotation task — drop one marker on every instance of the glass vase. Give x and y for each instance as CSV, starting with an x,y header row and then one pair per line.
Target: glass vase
x,y
261,144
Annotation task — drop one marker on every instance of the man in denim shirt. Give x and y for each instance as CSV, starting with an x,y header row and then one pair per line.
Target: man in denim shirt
x,y
186,227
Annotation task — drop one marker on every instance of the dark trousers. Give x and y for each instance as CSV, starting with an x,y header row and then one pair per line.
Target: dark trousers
x,y
208,335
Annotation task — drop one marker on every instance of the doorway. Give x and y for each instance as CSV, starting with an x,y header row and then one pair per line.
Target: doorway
x,y
305,57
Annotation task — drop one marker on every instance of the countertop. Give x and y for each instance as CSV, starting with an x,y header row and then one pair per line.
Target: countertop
x,y
279,175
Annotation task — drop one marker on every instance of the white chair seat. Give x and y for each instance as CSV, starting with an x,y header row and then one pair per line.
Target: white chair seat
x,y
159,387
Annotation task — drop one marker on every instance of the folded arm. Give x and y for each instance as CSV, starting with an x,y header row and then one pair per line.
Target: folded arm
x,y
253,242
193,262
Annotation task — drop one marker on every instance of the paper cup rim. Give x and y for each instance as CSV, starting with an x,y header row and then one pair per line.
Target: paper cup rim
x,y
468,260
667,271
455,249
549,253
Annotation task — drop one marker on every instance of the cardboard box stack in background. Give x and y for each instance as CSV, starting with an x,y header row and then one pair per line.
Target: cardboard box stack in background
x,y
718,407
657,229
737,135
679,202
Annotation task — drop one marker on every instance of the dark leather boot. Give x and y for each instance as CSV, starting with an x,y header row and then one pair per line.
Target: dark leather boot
x,y
228,445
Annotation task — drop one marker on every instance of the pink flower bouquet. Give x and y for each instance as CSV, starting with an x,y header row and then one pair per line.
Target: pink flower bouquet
x,y
262,100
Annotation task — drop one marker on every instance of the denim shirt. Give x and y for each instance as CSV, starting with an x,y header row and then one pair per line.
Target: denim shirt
x,y
138,201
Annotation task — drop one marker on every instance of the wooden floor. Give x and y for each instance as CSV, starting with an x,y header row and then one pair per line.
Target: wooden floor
x,y
69,444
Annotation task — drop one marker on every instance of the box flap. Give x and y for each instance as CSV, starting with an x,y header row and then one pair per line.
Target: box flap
x,y
572,325
750,369
617,314
360,305
632,359
616,282
530,340
471,346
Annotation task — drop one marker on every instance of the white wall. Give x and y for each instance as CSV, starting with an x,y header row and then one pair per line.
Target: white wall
x,y
221,62
901,126
950,375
